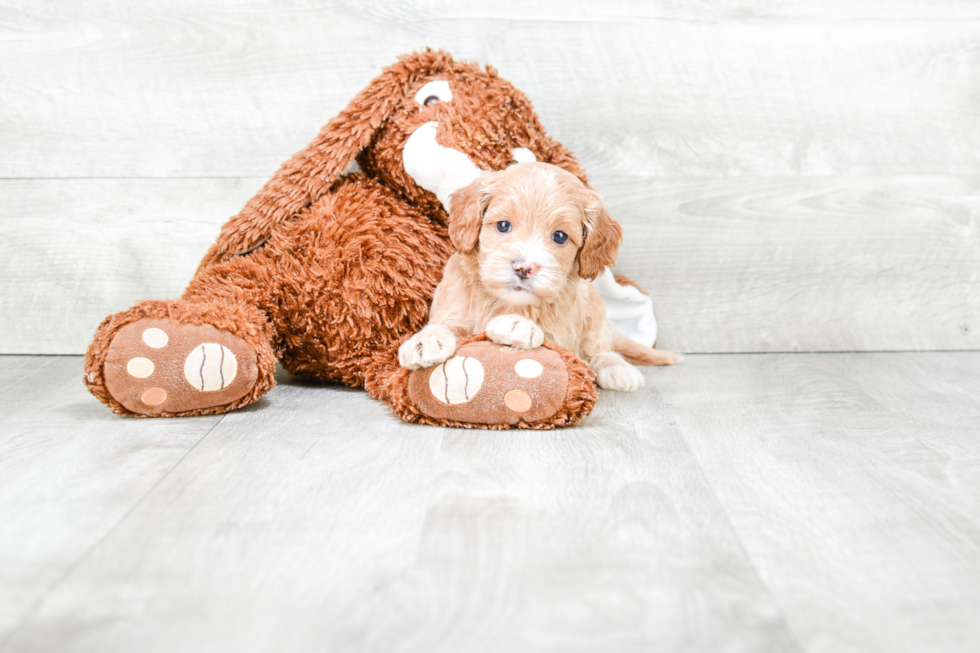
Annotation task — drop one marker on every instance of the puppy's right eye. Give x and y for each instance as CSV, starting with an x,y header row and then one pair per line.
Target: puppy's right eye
x,y
503,226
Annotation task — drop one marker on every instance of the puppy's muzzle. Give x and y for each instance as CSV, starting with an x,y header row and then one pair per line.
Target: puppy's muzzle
x,y
524,270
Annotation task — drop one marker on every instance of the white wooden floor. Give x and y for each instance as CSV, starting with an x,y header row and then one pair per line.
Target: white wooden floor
x,y
770,502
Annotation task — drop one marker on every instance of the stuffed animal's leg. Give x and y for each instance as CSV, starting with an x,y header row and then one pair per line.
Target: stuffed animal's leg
x,y
208,353
489,386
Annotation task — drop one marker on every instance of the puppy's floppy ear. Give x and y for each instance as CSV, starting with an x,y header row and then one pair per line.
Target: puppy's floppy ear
x,y
466,208
305,177
602,238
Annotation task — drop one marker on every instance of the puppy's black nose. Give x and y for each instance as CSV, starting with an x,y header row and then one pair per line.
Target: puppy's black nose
x,y
523,269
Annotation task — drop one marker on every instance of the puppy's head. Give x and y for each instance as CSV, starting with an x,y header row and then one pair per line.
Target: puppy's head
x,y
534,229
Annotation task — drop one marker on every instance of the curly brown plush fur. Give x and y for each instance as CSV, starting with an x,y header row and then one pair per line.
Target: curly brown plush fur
x,y
328,272
487,118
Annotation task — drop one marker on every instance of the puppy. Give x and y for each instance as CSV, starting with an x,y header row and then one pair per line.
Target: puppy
x,y
527,238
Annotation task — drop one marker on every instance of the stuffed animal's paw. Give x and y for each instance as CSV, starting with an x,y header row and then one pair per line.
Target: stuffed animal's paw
x,y
623,377
516,331
157,366
432,345
493,386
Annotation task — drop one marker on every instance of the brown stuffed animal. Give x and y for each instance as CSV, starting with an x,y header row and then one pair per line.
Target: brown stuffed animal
x,y
329,272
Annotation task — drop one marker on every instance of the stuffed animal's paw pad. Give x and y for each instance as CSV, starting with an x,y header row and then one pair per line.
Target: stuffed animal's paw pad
x,y
457,380
210,367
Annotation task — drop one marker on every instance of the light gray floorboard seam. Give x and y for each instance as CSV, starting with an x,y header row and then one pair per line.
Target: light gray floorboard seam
x,y
735,532
82,558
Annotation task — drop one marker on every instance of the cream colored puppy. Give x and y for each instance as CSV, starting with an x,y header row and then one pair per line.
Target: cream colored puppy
x,y
527,238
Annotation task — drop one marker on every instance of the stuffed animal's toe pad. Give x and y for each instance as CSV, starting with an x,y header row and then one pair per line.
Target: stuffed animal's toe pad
x,y
161,367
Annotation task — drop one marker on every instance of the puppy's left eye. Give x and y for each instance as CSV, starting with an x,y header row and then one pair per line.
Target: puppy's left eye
x,y
503,226
560,237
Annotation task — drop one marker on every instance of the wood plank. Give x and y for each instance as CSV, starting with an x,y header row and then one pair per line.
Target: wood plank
x,y
297,507
948,384
789,264
70,472
113,88
319,522
74,251
599,538
852,481
804,264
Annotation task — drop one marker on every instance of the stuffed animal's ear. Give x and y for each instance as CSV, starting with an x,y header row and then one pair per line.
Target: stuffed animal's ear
x,y
466,208
602,238
309,173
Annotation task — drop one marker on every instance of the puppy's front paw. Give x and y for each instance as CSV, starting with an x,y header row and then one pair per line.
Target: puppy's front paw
x,y
432,345
516,331
620,377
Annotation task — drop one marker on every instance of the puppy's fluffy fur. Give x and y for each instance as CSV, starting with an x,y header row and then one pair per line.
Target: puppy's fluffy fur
x,y
527,238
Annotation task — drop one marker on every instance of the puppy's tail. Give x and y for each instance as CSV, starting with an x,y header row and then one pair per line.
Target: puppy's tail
x,y
638,354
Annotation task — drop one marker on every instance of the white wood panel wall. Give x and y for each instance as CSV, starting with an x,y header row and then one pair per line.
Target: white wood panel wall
x,y
792,175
